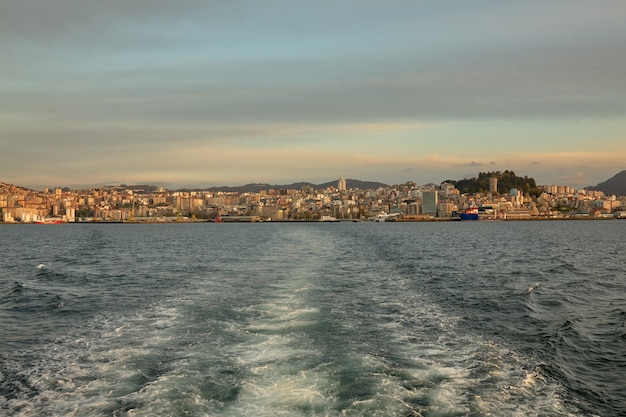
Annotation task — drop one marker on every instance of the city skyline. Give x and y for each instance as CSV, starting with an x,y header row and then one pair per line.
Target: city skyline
x,y
222,94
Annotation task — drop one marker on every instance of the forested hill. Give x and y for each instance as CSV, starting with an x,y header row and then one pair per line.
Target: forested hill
x,y
506,181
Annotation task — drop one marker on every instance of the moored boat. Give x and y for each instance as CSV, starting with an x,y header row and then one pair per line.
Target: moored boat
x,y
57,221
471,213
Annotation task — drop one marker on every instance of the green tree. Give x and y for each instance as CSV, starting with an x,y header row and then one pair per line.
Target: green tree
x,y
506,181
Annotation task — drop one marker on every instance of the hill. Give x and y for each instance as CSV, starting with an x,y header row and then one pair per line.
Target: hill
x,y
615,185
10,188
506,181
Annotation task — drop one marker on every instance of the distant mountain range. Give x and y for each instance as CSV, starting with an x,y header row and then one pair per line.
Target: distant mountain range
x,y
257,187
615,185
247,188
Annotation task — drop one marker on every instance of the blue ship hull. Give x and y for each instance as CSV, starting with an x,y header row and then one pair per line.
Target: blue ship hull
x,y
467,216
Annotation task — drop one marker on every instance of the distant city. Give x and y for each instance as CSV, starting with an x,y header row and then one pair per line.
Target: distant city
x,y
340,201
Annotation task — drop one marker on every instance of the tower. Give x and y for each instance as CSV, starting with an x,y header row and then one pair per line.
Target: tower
x,y
341,184
493,185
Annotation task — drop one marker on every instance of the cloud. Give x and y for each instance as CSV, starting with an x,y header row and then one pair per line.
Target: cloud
x,y
578,179
155,61
473,164
239,89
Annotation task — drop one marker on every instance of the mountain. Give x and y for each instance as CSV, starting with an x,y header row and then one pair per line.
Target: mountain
x,y
256,187
615,185
353,184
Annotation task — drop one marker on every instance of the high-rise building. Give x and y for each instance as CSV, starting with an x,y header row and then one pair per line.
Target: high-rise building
x,y
341,184
429,202
517,197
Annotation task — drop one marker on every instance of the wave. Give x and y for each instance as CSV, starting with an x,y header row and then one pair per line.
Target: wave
x,y
588,356
305,321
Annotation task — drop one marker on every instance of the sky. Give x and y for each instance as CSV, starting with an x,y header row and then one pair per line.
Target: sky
x,y
210,93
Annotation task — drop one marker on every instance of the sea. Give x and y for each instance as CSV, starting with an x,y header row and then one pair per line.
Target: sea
x,y
501,318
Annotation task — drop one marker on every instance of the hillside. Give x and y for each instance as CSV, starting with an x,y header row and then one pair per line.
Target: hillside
x,y
615,185
10,188
506,181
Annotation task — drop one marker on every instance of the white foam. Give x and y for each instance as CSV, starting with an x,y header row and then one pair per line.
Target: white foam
x,y
432,368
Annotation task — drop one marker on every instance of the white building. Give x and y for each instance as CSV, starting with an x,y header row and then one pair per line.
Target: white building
x,y
341,184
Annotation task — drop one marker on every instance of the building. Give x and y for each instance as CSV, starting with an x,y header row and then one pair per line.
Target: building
x,y
517,197
341,184
429,202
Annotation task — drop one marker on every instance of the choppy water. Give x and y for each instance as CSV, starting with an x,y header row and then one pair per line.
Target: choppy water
x,y
350,319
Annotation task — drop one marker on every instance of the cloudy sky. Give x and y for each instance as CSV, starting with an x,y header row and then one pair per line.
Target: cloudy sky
x,y
210,92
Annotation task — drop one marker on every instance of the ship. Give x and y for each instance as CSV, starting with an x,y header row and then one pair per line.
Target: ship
x,y
470,213
57,221
387,217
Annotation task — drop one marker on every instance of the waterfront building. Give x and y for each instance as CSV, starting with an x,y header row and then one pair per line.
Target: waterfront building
x,y
429,202
115,203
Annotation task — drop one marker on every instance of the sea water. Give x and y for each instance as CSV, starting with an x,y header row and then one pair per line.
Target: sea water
x,y
314,319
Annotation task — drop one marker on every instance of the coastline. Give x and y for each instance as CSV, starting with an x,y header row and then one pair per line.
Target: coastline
x,y
430,220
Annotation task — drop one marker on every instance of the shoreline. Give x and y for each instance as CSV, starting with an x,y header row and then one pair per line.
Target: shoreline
x,y
432,220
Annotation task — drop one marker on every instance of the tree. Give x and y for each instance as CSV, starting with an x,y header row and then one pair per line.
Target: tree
x,y
506,181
